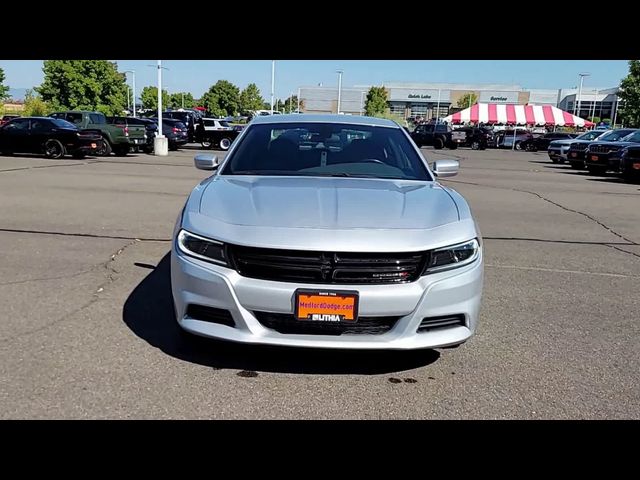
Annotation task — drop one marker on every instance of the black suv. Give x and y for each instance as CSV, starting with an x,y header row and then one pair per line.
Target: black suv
x,y
542,142
578,149
436,134
602,155
188,117
478,138
176,132
630,164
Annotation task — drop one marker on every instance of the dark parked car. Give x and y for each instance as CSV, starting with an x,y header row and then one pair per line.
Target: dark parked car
x,y
52,137
478,138
542,142
176,132
602,156
578,149
436,134
150,129
7,119
188,117
630,163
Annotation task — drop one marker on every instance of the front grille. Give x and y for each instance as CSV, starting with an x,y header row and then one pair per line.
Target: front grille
x,y
327,267
286,323
579,146
434,323
602,149
211,315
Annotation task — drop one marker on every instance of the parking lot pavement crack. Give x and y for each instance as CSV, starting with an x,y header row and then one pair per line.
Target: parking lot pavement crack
x,y
43,279
586,215
624,251
85,235
77,164
542,197
111,276
560,270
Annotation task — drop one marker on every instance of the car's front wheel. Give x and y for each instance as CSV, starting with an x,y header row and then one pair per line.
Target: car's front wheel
x,y
104,150
438,144
475,145
518,145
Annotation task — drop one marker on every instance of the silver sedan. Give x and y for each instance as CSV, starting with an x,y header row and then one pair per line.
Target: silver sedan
x,y
327,231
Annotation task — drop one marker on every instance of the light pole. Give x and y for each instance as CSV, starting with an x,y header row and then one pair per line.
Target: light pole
x,y
339,72
273,81
160,143
298,102
362,103
582,75
133,89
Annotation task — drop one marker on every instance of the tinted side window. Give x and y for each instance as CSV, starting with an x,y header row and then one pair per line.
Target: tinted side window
x,y
17,125
73,117
97,118
41,125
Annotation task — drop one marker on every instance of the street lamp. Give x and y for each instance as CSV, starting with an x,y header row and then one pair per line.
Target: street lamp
x,y
133,89
339,72
160,143
362,103
582,75
273,81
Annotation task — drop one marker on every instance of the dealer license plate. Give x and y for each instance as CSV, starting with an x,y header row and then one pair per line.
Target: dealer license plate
x,y
326,306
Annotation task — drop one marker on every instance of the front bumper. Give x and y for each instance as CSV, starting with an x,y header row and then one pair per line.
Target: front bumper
x,y
596,159
453,292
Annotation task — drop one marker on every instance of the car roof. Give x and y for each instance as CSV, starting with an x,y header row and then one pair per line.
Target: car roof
x,y
314,118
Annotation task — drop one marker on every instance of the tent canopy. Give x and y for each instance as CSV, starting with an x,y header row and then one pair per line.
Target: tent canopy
x,y
491,113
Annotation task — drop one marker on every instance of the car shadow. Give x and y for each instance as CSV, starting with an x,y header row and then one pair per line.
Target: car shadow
x,y
148,312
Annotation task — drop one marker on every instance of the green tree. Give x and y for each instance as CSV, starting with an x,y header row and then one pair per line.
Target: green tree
x,y
34,106
250,99
149,98
630,95
4,89
377,101
84,85
291,104
181,100
467,100
222,99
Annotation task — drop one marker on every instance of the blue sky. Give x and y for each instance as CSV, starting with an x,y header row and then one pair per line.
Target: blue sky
x,y
196,76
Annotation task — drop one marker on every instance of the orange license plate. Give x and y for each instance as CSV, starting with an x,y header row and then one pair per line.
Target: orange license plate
x,y
326,306
595,158
574,154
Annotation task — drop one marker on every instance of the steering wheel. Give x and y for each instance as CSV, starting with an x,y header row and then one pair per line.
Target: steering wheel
x,y
371,160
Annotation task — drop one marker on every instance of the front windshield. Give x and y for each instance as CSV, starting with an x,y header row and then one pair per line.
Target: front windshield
x,y
614,135
590,135
326,150
634,137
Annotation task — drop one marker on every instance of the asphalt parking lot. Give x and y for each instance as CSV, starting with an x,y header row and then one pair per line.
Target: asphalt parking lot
x,y
86,326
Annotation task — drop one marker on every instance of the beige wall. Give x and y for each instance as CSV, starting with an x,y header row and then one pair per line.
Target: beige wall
x,y
457,94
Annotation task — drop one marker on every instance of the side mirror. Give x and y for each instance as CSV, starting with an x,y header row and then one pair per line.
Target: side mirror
x,y
206,161
445,168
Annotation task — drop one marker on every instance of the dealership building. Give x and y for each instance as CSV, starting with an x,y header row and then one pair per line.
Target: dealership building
x,y
440,99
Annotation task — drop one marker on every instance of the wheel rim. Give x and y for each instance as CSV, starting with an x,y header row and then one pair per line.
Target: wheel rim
x,y
225,143
518,146
206,144
52,149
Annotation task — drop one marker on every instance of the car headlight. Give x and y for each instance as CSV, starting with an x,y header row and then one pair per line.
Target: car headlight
x,y
453,256
202,248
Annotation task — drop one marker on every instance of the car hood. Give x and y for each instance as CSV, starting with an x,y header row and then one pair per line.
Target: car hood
x,y
612,144
559,143
327,203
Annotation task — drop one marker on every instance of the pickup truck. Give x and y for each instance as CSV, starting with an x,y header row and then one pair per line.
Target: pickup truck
x,y
116,138
213,132
438,135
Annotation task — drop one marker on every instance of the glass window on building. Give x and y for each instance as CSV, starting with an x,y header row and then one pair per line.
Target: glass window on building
x,y
419,110
398,109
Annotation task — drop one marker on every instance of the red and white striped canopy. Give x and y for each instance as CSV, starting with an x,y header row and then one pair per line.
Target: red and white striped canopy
x,y
491,113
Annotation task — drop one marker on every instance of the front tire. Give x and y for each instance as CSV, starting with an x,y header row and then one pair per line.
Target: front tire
x,y
206,144
475,145
53,148
518,145
438,144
